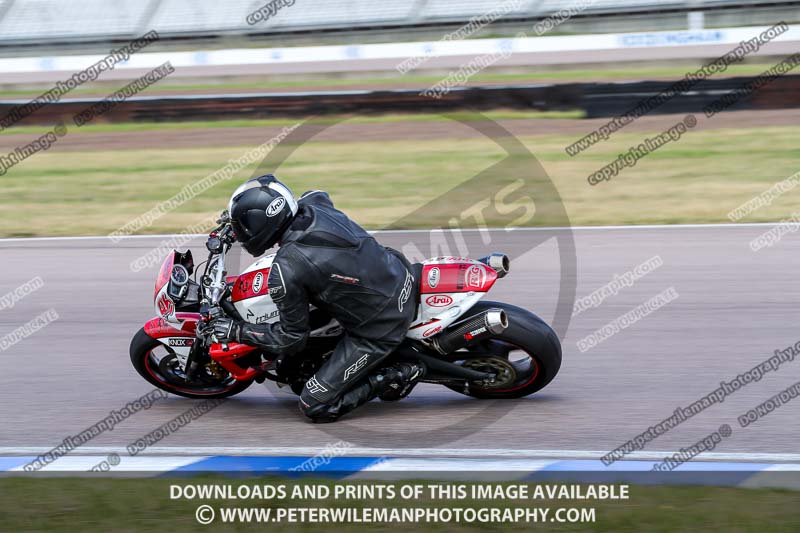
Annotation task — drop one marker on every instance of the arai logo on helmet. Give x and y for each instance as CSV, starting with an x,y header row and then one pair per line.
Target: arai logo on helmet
x,y
275,206
433,277
258,282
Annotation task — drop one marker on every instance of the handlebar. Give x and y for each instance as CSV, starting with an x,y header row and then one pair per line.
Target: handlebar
x,y
212,284
223,235
219,242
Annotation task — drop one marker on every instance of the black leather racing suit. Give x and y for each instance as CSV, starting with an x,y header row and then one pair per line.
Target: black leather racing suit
x,y
328,260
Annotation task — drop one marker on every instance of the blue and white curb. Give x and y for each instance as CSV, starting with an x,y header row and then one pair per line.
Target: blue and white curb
x,y
719,473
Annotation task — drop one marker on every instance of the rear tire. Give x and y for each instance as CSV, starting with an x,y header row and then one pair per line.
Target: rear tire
x,y
530,334
141,347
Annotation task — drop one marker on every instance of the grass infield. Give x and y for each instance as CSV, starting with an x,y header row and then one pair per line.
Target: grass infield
x,y
65,505
698,179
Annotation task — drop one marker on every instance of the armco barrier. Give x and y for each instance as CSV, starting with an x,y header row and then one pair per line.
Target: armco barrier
x,y
211,107
596,99
612,99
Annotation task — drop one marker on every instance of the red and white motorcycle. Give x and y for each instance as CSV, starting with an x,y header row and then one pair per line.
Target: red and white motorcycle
x,y
478,348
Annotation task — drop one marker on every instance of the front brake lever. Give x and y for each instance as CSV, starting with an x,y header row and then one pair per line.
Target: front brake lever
x,y
224,344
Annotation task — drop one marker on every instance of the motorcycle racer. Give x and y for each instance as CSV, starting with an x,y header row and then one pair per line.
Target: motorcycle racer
x,y
327,260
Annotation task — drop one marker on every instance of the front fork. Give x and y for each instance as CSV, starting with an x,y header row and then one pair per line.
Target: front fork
x,y
199,352
197,358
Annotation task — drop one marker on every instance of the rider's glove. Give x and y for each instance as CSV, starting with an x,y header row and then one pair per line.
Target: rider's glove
x,y
223,330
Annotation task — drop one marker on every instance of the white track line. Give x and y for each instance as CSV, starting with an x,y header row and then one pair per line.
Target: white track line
x,y
407,452
391,231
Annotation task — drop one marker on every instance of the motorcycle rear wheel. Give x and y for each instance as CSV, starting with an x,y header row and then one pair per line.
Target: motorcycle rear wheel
x,y
527,336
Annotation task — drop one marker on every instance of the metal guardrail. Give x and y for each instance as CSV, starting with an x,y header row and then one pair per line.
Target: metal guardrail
x,y
612,99
595,99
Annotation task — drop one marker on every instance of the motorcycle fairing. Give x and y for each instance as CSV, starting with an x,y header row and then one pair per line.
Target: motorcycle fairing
x,y
449,287
179,334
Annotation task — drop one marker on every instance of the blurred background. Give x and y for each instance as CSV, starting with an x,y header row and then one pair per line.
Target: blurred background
x,y
550,72
414,103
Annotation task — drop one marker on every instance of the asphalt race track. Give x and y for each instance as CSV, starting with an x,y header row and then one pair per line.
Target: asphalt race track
x,y
735,307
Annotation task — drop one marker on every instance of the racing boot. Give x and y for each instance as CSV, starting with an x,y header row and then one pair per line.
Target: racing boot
x,y
397,381
390,384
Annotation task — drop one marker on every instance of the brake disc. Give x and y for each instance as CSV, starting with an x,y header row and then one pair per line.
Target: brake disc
x,y
504,371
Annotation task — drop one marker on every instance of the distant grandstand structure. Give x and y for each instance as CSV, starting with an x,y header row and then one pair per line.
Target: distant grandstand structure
x,y
53,22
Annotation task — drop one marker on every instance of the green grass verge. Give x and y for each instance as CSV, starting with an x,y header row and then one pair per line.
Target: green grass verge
x,y
698,179
65,505
629,72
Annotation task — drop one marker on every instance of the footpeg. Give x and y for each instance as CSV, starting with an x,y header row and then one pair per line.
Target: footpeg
x,y
400,381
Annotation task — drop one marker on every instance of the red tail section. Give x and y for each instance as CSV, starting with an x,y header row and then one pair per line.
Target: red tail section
x,y
457,277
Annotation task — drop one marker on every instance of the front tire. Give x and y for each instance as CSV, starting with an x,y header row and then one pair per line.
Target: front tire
x,y
526,333
162,374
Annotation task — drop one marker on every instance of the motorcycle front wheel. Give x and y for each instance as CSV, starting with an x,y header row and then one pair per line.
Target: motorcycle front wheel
x,y
161,366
